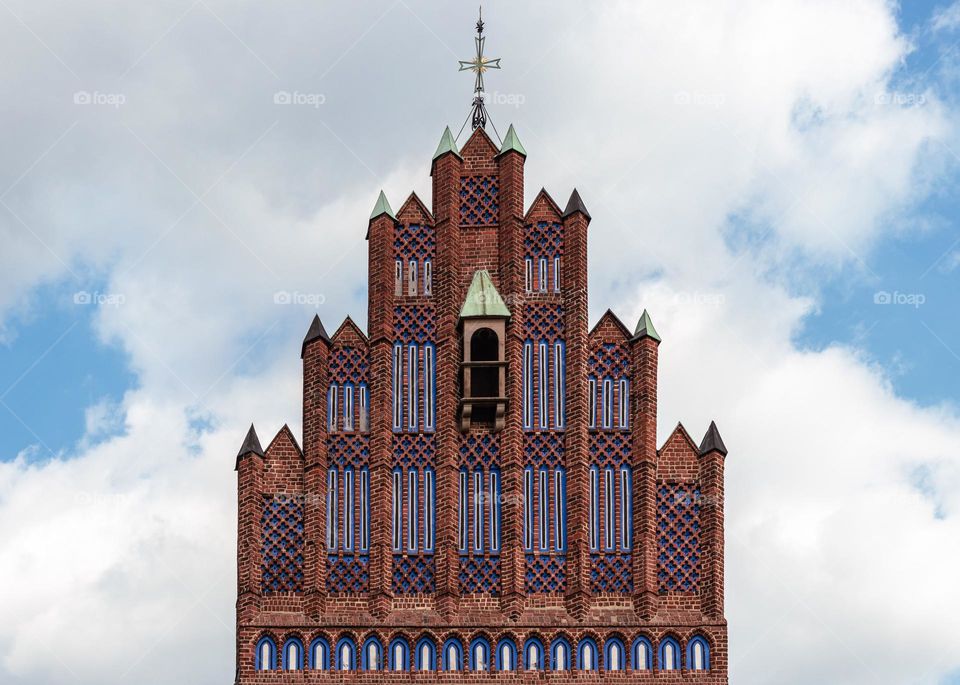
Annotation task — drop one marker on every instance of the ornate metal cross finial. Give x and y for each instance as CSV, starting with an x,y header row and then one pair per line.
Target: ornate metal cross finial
x,y
478,65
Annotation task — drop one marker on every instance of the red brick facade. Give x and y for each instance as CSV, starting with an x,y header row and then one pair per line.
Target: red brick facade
x,y
587,550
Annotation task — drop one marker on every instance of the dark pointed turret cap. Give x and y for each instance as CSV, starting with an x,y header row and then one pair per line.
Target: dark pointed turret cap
x,y
575,204
251,444
712,442
315,331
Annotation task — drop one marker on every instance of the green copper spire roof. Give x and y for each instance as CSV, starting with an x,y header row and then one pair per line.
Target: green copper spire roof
x,y
483,299
447,144
512,142
382,207
645,327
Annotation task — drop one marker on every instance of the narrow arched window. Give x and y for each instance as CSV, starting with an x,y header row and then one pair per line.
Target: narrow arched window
x,y
452,655
413,384
371,655
345,655
293,656
398,655
624,404
397,532
556,274
428,277
528,385
542,282
592,400
348,407
559,384
332,408
425,655
398,278
348,512
413,506
333,511
412,277
266,655
615,655
528,275
642,655
397,387
543,375
588,656
429,511
506,655
698,655
561,655
478,659
319,655
364,509
608,518
533,655
593,513
669,655
626,508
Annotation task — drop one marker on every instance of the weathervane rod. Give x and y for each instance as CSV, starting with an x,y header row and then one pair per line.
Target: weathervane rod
x,y
478,65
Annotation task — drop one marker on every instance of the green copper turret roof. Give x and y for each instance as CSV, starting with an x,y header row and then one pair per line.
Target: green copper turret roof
x,y
382,207
447,144
512,142
645,327
483,300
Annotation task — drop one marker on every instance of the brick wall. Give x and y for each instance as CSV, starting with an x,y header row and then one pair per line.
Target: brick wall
x,y
667,586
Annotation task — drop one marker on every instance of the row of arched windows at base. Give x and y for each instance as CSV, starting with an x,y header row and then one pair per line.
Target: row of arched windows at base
x,y
480,654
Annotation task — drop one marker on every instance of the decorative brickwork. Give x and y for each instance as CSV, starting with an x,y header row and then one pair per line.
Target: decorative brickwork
x,y
678,537
541,533
545,573
282,549
479,200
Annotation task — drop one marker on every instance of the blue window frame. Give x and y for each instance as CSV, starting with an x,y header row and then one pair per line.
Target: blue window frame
x,y
593,511
426,654
348,407
533,655
543,509
346,654
319,657
542,280
607,403
543,374
626,508
397,532
528,275
528,385
412,387
698,654
560,655
559,384
463,518
587,654
614,655
480,654
348,512
364,509
397,387
427,277
642,655
452,655
399,654
430,387
609,520
412,277
398,277
476,497
506,657
495,503
364,408
265,657
429,509
413,507
332,408
623,419
669,655
560,510
371,657
333,510
292,655
556,274
528,508
592,400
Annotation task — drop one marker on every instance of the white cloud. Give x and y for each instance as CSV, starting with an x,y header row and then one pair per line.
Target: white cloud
x,y
679,126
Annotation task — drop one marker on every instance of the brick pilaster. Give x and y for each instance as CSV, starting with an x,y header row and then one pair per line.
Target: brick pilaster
x,y
643,409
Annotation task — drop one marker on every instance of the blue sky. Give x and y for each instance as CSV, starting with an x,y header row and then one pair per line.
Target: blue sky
x,y
917,341
774,181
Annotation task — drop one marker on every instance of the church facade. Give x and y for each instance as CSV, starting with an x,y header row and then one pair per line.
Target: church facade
x,y
478,488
